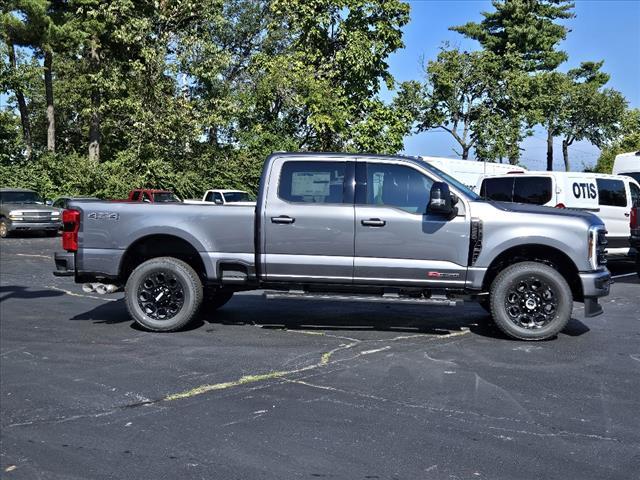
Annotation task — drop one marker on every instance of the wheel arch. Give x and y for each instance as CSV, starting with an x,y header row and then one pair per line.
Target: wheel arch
x,y
545,254
160,245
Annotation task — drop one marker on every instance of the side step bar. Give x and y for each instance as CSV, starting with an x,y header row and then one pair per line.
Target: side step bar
x,y
440,300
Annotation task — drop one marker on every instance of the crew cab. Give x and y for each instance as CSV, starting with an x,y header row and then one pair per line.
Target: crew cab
x,y
225,197
332,226
150,195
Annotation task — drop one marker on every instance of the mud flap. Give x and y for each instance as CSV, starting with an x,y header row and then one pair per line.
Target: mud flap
x,y
592,308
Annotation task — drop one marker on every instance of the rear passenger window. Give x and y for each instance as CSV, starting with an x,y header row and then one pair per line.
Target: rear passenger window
x,y
312,182
136,196
535,190
611,192
498,189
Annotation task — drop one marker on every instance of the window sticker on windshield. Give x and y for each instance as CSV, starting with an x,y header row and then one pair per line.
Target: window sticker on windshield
x,y
310,184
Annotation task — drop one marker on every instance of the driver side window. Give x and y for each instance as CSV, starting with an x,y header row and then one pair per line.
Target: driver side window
x,y
398,186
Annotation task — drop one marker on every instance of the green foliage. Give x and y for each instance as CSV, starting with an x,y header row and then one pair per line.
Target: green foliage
x,y
191,95
524,29
628,140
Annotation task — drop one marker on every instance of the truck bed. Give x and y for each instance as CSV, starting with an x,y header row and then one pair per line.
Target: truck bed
x,y
108,229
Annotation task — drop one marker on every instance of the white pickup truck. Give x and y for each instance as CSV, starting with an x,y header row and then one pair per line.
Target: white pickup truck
x,y
225,197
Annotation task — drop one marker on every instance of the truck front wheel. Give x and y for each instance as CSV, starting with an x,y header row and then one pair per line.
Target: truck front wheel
x,y
531,301
163,294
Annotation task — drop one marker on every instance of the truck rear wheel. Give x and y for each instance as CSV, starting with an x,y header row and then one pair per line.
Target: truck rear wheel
x,y
531,301
163,294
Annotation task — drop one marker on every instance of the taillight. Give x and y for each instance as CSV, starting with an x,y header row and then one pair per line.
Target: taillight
x,y
633,221
560,205
70,227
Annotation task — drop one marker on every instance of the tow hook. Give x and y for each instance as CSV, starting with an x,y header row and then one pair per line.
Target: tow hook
x,y
99,288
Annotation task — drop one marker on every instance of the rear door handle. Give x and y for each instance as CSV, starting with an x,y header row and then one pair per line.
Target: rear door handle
x,y
282,219
373,222
627,214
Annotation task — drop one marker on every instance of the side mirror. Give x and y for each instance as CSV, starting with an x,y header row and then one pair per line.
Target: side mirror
x,y
146,200
48,202
441,201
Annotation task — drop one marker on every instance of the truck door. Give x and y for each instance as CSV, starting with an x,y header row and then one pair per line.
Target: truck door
x,y
396,242
308,221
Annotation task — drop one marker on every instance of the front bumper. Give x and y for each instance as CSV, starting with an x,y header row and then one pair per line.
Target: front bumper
x,y
594,285
22,226
65,264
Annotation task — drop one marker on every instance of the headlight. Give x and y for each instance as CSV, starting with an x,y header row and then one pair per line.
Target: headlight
x,y
15,215
597,245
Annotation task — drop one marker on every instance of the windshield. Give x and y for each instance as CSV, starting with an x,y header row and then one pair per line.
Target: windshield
x,y
461,187
20,197
165,197
231,197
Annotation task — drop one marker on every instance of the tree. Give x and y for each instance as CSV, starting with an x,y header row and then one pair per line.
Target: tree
x,y
589,113
524,35
627,140
457,94
525,28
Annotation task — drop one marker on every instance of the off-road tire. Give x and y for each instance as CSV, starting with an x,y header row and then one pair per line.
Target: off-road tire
x,y
188,281
509,279
214,298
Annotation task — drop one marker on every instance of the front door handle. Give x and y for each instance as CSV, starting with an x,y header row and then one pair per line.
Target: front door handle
x,y
282,219
627,214
373,222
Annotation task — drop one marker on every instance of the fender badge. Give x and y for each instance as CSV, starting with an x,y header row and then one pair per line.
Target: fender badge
x,y
104,216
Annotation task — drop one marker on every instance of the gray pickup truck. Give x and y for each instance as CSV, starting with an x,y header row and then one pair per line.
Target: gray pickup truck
x,y
344,227
24,210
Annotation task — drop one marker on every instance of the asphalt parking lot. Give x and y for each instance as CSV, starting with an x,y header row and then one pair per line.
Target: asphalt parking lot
x,y
285,389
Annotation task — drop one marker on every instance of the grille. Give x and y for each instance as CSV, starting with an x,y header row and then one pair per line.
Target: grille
x,y
601,247
36,217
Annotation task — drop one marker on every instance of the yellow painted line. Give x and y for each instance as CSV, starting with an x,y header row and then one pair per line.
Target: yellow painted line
x,y
224,385
324,360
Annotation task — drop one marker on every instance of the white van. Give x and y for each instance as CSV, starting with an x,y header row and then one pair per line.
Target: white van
x,y
608,196
470,171
627,164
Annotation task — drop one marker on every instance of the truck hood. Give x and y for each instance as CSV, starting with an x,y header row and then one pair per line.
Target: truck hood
x,y
29,207
550,211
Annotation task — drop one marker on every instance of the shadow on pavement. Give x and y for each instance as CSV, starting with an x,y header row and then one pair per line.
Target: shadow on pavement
x,y
108,312
340,316
14,291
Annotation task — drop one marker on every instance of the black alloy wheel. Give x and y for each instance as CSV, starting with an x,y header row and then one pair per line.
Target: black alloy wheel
x,y
531,303
161,295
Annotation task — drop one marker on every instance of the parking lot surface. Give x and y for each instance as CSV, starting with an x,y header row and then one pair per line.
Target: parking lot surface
x,y
288,389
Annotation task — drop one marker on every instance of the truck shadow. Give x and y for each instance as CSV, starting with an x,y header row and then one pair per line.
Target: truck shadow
x,y
338,317
25,293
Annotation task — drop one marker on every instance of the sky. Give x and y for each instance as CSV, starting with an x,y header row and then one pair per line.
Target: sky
x,y
606,30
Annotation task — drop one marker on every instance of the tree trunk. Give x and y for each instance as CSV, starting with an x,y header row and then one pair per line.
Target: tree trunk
x,y
22,104
94,124
48,87
565,154
465,152
549,150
